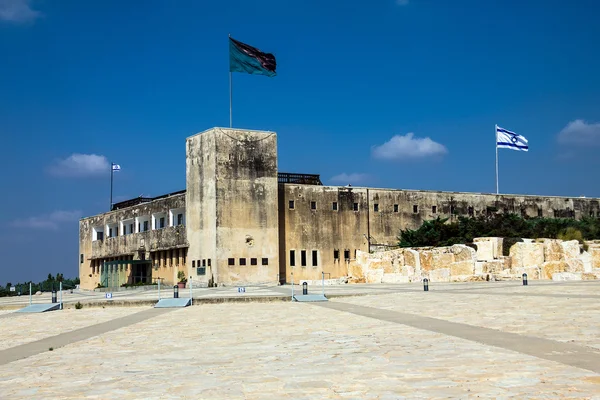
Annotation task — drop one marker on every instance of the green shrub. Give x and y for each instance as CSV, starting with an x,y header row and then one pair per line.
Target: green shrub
x,y
441,232
78,306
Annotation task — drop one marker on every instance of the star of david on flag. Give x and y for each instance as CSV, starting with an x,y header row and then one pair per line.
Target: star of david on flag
x,y
506,139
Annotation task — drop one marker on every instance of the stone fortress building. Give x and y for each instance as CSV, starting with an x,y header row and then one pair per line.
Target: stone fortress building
x,y
240,221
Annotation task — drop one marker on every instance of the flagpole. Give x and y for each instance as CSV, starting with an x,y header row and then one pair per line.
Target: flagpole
x,y
230,96
111,185
496,143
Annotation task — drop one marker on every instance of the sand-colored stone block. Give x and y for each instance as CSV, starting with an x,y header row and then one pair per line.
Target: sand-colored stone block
x,y
462,268
440,275
463,253
574,265
412,258
426,260
408,270
394,278
553,251
527,254
374,276
566,276
595,253
492,267
355,273
589,276
485,250
552,267
570,249
442,260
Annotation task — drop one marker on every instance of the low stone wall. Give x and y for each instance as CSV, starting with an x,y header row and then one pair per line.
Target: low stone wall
x,y
540,259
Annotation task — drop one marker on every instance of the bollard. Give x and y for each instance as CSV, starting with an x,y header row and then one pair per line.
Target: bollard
x,y
426,285
305,288
524,279
175,292
53,295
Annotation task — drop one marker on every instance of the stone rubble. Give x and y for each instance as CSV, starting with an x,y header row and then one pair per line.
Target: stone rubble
x,y
552,259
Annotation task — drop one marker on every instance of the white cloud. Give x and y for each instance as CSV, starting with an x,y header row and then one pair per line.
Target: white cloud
x,y
352,179
80,165
580,132
49,221
400,147
402,2
18,11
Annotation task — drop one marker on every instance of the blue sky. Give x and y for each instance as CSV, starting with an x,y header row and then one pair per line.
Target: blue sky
x,y
384,93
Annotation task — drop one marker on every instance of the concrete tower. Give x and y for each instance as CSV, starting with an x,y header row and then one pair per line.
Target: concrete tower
x,y
231,207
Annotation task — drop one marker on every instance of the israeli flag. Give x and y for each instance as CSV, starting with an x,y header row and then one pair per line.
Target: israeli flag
x,y
116,167
506,139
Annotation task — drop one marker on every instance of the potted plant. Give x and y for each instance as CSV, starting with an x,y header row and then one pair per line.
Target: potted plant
x,y
182,280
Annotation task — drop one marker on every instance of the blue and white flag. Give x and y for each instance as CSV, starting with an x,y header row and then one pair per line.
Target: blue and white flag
x,y
116,167
506,139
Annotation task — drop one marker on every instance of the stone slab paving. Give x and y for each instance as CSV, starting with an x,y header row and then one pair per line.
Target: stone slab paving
x,y
287,351
25,328
569,320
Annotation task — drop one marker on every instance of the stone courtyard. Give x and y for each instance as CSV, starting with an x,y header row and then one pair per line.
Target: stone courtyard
x,y
458,340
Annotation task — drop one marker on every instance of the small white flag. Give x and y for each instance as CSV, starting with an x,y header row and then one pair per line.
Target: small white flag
x,y
506,139
116,167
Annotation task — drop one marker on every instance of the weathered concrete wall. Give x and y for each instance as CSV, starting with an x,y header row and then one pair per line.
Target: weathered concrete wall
x,y
232,205
247,220
383,213
201,206
125,247
322,229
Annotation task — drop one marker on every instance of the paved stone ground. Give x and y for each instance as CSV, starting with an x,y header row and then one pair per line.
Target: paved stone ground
x,y
409,344
26,328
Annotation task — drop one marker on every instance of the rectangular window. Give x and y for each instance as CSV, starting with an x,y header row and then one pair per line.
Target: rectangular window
x,y
434,209
81,259
242,261
231,261
204,262
155,224
145,226
292,258
209,262
334,206
100,235
291,204
130,228
471,211
540,212
376,207
201,271
110,232
313,205
395,207
415,209
265,261
346,254
139,227
303,258
355,206
336,254
193,263
315,258
179,219
253,261
162,222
